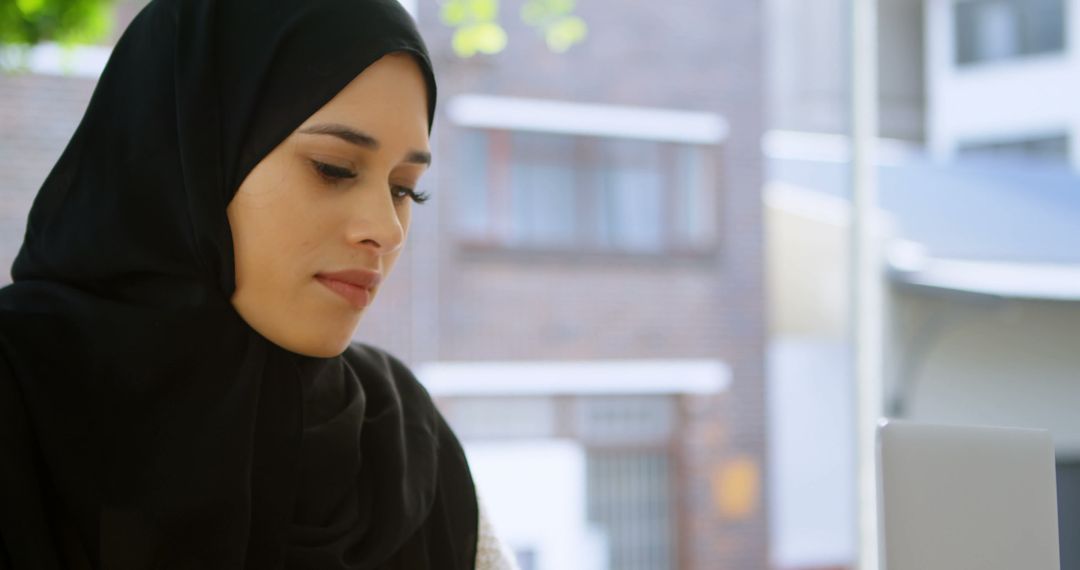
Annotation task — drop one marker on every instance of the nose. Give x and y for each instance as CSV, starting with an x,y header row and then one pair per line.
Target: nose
x,y
374,221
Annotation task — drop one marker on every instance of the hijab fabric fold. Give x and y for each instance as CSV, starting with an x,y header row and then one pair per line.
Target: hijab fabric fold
x,y
143,423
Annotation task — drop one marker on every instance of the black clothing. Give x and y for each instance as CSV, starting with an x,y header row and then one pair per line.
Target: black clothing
x,y
143,423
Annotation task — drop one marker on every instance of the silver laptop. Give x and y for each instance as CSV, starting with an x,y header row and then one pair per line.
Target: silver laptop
x,y
966,498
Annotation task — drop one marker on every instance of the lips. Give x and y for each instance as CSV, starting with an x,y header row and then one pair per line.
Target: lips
x,y
354,285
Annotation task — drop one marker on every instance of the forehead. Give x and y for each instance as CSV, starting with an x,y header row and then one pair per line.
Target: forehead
x,y
388,99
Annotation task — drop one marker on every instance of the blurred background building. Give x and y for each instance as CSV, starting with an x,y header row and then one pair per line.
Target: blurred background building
x,y
597,250
629,294
979,197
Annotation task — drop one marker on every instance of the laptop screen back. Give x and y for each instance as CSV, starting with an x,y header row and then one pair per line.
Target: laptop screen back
x,y
966,498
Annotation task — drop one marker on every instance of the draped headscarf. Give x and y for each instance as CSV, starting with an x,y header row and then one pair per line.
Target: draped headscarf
x,y
143,423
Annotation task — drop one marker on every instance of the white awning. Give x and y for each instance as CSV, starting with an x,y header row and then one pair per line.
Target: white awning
x,y
1059,282
590,119
586,377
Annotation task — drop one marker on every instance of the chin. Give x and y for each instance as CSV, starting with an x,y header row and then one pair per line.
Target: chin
x,y
318,345
325,337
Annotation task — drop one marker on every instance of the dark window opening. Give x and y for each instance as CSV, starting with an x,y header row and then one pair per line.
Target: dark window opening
x,y
1051,148
526,190
995,30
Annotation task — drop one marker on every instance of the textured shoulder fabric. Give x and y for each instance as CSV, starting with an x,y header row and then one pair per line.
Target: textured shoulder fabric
x,y
491,552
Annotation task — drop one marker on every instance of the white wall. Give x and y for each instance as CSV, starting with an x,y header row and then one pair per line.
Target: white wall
x,y
811,454
806,262
534,492
995,362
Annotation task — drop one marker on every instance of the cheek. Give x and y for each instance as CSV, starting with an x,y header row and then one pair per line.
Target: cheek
x,y
275,232
388,263
281,255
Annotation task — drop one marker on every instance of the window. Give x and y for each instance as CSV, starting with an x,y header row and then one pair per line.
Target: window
x,y
531,190
526,558
629,498
1068,496
992,30
1050,148
629,472
631,453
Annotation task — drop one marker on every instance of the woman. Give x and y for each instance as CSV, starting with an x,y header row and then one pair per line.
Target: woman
x,y
177,387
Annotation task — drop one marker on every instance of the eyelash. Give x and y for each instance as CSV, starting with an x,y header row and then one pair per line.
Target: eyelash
x,y
333,174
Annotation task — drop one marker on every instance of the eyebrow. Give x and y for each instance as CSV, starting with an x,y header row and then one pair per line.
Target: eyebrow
x,y
362,139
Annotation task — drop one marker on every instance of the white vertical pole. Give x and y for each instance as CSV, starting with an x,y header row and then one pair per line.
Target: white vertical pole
x,y
866,277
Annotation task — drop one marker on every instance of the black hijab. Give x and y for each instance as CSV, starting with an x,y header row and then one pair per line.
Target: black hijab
x,y
143,423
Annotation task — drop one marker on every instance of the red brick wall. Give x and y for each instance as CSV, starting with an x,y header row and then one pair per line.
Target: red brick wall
x,y
701,55
38,114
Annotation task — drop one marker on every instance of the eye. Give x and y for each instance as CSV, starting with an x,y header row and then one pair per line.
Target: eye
x,y
402,192
332,173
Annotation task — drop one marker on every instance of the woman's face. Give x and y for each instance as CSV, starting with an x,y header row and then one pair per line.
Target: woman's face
x,y
333,198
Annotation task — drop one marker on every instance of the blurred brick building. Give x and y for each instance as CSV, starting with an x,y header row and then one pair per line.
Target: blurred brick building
x,y
586,213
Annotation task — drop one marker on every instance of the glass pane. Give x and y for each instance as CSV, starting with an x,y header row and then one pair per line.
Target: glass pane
x,y
543,192
992,30
632,184
628,498
473,188
693,205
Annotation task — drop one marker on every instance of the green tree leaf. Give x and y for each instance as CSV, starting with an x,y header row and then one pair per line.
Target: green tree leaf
x,y
454,13
484,10
565,32
489,38
29,7
476,26
30,22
